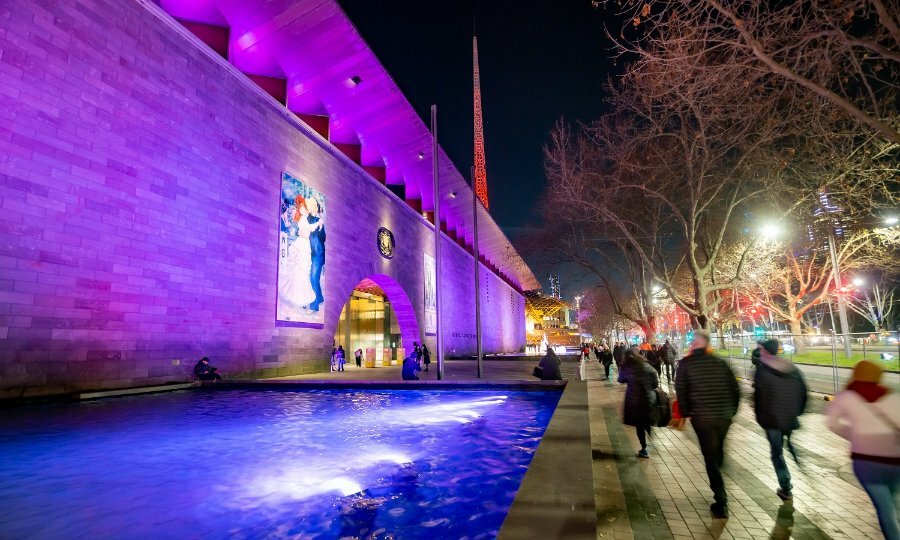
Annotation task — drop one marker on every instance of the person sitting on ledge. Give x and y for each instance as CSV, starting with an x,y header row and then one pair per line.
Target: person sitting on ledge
x,y
548,368
411,367
206,372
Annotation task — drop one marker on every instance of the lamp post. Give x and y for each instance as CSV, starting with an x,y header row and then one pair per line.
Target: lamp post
x,y
439,342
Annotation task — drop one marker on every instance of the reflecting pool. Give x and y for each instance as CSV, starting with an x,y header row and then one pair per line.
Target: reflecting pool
x,y
269,464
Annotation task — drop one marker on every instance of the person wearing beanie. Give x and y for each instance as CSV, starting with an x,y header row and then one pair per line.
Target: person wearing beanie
x,y
868,415
779,398
708,394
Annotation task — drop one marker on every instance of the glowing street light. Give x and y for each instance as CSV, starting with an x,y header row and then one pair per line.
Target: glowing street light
x,y
770,231
891,220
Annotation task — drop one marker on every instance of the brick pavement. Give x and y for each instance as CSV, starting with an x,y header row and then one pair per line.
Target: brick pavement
x,y
668,496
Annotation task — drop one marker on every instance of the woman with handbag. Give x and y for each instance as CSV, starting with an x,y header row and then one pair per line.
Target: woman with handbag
x,y
640,396
868,415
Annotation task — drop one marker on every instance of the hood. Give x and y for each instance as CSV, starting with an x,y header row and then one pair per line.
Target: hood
x,y
777,363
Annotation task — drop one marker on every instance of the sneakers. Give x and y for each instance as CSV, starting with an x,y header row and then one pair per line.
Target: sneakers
x,y
784,495
719,511
643,454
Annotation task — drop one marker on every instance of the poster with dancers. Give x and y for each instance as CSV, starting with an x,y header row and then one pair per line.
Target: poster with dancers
x,y
430,296
301,253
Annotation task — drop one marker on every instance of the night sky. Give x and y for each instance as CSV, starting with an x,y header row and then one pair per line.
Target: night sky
x,y
539,60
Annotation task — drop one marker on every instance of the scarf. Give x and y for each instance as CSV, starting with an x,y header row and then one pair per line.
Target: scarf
x,y
869,391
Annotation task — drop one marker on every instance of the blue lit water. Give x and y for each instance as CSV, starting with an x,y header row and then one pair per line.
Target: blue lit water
x,y
269,464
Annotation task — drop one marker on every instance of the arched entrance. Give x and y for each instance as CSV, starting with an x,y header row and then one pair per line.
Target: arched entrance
x,y
379,319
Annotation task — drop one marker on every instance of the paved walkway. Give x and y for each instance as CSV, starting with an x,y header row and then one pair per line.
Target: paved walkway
x,y
668,496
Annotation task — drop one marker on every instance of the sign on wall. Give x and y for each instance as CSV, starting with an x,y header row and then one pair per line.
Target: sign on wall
x,y
386,243
430,296
301,253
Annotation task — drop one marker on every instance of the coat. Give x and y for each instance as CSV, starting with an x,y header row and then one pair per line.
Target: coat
x,y
640,394
706,387
550,367
780,394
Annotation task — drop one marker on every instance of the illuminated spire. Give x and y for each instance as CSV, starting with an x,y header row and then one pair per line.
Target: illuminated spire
x,y
480,167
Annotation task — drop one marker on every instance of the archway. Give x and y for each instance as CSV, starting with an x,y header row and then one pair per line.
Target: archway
x,y
378,318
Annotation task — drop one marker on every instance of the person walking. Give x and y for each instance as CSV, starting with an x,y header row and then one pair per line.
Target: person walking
x,y
708,394
868,415
340,358
618,353
667,356
654,360
426,356
606,358
779,398
640,396
333,359
358,354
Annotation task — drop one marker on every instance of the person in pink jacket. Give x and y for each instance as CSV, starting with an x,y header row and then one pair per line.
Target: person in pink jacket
x,y
868,415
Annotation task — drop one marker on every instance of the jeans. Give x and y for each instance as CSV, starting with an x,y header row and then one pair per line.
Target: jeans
x,y
882,482
669,370
642,432
776,445
606,369
711,434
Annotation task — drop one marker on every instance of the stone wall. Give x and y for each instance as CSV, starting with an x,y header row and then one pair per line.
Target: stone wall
x,y
139,202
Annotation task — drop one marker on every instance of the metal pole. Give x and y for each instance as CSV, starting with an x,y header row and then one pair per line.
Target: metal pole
x,y
437,244
834,367
842,305
479,352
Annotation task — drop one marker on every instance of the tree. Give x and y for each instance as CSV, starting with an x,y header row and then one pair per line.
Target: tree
x,y
845,53
801,276
875,306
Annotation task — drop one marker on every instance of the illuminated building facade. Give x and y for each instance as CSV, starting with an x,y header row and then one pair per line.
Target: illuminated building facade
x,y
189,178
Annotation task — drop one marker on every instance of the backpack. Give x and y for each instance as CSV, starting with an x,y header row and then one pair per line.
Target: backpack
x,y
663,413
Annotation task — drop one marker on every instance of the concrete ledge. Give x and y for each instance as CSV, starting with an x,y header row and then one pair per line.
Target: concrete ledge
x,y
556,498
255,384
133,391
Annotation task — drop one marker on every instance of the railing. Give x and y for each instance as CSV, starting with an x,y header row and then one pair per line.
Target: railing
x,y
822,358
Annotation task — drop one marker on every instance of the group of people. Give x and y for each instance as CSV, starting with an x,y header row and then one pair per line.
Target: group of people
x,y
412,364
866,413
659,357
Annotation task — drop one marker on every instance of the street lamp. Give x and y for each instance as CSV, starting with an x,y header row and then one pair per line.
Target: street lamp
x,y
770,231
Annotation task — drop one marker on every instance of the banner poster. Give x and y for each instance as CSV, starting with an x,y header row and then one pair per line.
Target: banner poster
x,y
301,253
430,296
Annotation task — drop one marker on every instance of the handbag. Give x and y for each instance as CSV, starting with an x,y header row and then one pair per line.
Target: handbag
x,y
663,410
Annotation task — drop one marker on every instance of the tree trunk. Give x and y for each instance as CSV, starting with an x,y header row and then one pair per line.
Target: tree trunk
x,y
799,338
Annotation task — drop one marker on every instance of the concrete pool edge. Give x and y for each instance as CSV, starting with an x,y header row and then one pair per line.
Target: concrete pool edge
x,y
264,384
556,497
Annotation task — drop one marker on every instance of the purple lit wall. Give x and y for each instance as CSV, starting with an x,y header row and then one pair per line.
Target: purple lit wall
x,y
139,202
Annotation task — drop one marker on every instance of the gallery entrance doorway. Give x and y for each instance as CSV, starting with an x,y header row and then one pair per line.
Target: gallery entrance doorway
x,y
378,320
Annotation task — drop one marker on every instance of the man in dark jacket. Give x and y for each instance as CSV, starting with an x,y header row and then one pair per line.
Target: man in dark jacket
x,y
618,351
667,355
779,399
708,394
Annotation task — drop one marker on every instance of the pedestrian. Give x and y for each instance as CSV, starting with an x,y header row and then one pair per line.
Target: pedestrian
x,y
654,360
779,398
618,352
640,396
340,358
206,372
868,415
708,394
426,356
667,354
333,359
358,354
606,357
